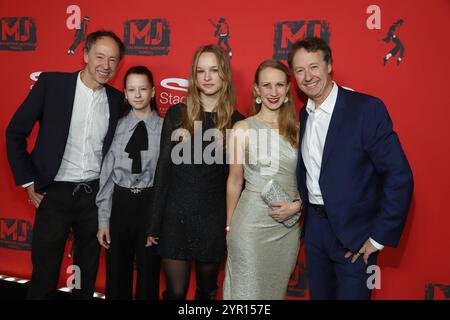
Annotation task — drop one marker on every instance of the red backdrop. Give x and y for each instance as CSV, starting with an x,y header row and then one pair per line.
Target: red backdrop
x,y
36,36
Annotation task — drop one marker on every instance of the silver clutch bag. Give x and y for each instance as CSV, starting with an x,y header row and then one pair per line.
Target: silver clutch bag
x,y
273,192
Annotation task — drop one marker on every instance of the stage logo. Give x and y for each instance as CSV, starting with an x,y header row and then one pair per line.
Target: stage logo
x,y
147,37
288,32
173,92
222,33
17,34
34,76
15,234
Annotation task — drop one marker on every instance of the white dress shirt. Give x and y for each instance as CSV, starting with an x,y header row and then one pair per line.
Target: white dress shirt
x,y
82,157
313,144
314,141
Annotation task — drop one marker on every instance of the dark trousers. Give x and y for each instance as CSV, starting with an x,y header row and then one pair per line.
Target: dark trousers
x,y
331,275
398,47
128,238
76,42
65,206
224,40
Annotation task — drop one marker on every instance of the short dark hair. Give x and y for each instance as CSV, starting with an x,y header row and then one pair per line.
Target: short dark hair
x,y
311,44
142,70
94,36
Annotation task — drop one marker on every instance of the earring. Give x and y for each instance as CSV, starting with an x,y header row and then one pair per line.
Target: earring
x,y
258,100
286,99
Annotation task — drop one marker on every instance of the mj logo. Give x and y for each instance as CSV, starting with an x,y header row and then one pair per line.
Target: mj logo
x,y
434,291
288,32
15,234
17,34
148,37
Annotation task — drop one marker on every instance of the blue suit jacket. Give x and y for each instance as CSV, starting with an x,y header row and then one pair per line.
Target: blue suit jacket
x,y
365,178
50,103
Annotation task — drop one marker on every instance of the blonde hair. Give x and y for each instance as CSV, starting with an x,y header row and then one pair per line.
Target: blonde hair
x,y
227,97
287,118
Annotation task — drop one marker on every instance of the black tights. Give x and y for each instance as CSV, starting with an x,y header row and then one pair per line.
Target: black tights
x,y
178,274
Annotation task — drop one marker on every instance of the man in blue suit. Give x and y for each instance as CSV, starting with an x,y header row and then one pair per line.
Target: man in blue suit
x,y
352,175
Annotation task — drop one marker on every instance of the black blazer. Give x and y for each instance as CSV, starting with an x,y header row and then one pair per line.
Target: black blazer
x,y
49,103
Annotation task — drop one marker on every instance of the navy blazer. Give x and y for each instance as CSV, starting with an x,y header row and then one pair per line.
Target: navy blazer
x,y
49,103
365,179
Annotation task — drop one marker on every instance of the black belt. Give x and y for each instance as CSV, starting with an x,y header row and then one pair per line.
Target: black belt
x,y
133,190
320,210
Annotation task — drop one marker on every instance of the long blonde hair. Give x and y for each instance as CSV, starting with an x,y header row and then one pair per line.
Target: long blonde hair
x,y
225,105
287,118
